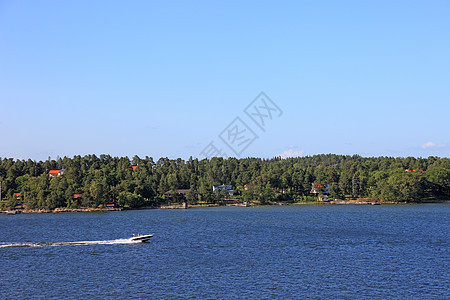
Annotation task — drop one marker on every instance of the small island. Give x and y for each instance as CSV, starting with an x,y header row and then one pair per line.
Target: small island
x,y
106,183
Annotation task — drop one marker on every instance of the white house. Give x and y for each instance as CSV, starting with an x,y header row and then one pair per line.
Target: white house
x,y
226,187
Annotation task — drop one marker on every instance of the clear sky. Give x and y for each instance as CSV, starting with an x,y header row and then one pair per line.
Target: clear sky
x,y
167,78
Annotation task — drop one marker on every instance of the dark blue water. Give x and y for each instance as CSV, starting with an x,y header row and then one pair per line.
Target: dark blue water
x,y
317,251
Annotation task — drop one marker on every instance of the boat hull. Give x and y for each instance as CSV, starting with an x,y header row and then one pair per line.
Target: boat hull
x,y
141,238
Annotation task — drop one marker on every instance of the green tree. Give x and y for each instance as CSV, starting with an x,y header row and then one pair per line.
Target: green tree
x,y
439,180
130,199
96,190
192,195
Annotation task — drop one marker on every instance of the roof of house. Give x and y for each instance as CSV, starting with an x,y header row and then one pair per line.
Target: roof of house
x,y
223,186
414,170
77,196
17,194
54,171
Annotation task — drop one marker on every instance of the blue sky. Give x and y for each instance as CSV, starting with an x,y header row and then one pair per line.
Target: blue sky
x,y
165,78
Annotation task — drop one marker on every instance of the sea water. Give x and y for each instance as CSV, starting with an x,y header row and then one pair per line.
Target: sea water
x,y
277,252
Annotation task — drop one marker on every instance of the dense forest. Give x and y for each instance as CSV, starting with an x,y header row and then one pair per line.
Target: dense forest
x,y
93,181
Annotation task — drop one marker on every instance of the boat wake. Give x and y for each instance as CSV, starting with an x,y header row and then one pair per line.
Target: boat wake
x,y
78,243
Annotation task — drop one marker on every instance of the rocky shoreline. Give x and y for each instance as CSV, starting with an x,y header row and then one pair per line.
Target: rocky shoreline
x,y
62,209
181,206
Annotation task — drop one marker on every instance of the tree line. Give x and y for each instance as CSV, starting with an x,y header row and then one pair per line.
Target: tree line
x,y
95,181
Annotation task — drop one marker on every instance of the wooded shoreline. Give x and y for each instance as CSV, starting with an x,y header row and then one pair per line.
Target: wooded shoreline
x,y
106,182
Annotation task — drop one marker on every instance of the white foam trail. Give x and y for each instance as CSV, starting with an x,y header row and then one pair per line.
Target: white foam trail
x,y
77,243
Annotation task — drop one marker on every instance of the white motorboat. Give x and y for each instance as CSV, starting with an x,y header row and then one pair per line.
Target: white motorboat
x,y
141,238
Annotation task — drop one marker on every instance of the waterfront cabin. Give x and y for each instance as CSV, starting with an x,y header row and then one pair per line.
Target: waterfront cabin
x,y
225,187
55,173
318,188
